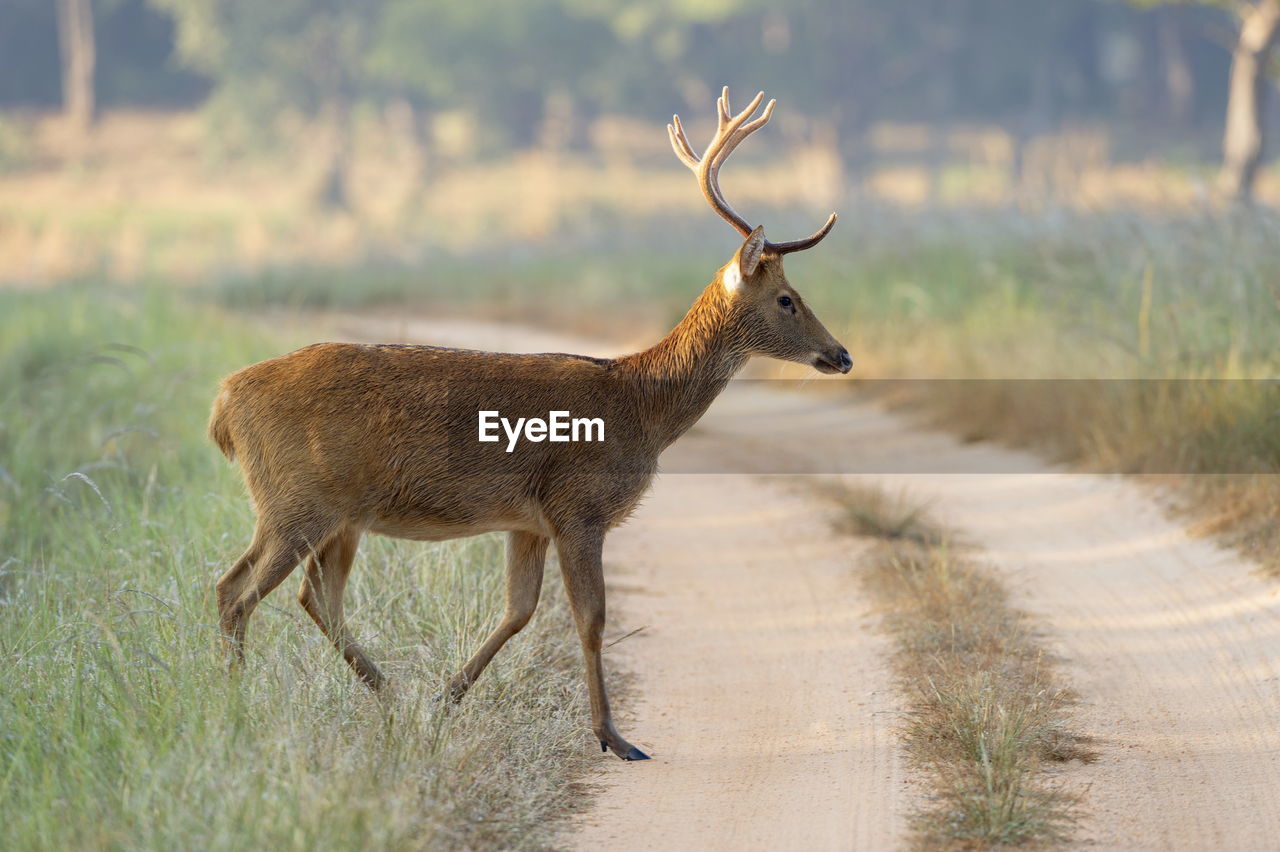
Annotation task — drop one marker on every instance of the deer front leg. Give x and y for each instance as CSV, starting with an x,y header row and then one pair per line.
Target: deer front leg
x,y
526,554
581,565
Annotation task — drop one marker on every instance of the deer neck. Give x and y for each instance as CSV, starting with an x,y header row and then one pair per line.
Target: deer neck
x,y
682,374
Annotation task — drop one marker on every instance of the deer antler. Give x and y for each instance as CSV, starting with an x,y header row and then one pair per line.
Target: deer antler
x,y
730,131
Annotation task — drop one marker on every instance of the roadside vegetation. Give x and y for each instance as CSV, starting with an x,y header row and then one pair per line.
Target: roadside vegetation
x,y
121,726
987,715
1115,343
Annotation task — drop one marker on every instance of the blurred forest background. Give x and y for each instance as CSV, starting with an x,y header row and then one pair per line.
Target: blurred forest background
x,y
318,130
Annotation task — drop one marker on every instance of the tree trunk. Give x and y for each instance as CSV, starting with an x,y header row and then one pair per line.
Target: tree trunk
x,y
1039,120
76,45
1179,81
1242,139
333,186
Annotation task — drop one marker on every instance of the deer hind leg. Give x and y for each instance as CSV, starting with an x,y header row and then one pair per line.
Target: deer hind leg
x,y
321,596
229,588
581,564
526,555
270,558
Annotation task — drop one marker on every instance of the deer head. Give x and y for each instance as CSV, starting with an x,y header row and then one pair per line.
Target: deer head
x,y
769,314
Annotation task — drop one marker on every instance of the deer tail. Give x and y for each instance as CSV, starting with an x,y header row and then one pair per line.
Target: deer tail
x,y
219,427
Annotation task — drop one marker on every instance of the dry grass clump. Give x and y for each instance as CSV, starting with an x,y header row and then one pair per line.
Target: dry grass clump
x,y
987,713
875,513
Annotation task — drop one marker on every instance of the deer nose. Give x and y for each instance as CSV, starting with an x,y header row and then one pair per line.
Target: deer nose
x,y
843,361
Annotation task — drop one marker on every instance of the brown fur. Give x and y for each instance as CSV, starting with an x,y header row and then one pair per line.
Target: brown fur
x,y
337,440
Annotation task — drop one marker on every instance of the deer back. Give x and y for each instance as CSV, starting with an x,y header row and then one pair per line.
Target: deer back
x,y
388,437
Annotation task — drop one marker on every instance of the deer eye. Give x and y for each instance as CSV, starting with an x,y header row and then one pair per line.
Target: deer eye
x,y
785,301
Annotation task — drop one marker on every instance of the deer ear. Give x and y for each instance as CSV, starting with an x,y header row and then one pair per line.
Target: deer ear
x,y
745,261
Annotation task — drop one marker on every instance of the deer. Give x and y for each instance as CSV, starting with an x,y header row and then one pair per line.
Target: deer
x,y
340,440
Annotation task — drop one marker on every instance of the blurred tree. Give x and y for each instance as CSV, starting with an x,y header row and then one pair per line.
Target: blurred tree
x,y
848,64
129,43
1242,139
1257,26
674,51
77,48
136,62
533,72
78,54
30,67
1179,78
503,61
323,57
304,55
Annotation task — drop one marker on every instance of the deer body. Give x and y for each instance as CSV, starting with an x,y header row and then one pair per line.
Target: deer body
x,y
384,437
339,440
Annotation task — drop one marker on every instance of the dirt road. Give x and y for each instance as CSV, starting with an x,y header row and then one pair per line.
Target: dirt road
x,y
760,686
1172,642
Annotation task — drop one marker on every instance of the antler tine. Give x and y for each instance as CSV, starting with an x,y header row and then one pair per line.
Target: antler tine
x,y
730,122
735,138
808,242
722,107
680,143
753,126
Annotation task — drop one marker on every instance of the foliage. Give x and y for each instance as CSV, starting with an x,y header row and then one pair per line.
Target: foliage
x,y
847,62
499,59
302,54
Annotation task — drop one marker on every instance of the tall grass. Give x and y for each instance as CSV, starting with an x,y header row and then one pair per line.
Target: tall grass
x,y
119,725
1174,325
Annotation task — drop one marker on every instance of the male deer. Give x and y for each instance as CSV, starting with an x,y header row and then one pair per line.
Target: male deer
x,y
337,440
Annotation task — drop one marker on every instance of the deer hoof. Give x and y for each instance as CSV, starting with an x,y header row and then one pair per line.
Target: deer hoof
x,y
631,753
454,691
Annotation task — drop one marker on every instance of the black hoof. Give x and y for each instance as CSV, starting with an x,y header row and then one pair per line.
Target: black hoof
x,y
634,754
604,746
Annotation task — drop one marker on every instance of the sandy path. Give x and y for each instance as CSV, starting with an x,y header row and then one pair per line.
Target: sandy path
x,y
1174,645
762,693
1172,642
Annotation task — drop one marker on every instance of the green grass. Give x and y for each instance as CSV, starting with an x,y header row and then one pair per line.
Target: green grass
x,y
119,725
577,288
